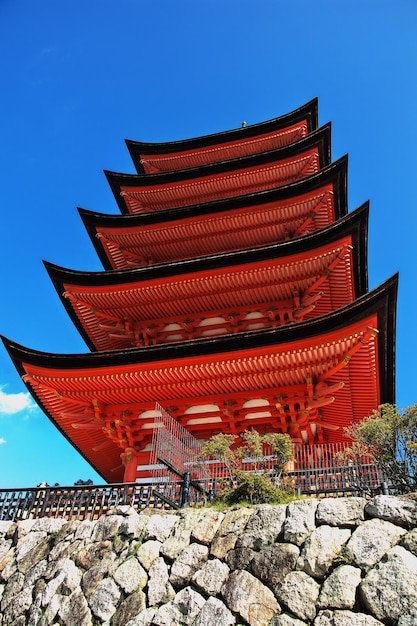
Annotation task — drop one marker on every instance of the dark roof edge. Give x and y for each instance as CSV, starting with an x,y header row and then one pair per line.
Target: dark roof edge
x,y
320,139
334,172
354,222
380,301
308,112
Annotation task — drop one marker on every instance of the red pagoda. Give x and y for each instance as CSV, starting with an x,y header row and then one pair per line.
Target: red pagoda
x,y
234,294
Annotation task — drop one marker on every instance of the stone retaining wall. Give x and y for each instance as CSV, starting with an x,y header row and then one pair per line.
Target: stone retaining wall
x,y
331,562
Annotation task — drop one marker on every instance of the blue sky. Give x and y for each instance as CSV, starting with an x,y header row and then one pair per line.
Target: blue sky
x,y
80,77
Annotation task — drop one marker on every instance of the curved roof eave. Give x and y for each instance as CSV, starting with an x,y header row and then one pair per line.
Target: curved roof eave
x,y
320,139
335,173
354,224
381,301
307,112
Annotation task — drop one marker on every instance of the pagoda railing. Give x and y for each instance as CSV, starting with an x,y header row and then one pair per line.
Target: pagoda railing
x,y
93,501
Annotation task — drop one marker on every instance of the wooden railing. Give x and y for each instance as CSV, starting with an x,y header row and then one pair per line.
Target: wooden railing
x,y
93,501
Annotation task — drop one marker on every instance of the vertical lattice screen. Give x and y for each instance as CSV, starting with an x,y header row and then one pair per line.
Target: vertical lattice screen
x,y
174,444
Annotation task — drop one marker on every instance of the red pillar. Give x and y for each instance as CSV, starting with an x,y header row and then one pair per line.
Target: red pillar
x,y
129,460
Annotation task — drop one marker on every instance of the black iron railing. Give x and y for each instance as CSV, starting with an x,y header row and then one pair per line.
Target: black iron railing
x,y
93,501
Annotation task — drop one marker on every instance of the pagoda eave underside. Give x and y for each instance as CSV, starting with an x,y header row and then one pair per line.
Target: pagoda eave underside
x,y
271,286
156,192
247,221
225,145
315,377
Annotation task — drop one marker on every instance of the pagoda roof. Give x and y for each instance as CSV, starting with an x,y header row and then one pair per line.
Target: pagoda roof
x,y
140,193
306,379
173,155
229,292
262,218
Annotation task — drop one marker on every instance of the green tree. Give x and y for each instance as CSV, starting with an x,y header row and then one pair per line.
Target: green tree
x,y
254,486
219,447
389,437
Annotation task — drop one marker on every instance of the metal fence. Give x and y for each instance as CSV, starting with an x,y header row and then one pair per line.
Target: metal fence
x,y
93,501
84,502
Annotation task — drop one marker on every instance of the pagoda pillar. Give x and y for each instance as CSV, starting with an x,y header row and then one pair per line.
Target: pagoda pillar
x,y
130,462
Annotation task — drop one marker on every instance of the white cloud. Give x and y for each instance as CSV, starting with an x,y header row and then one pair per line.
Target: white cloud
x,y
11,403
2,440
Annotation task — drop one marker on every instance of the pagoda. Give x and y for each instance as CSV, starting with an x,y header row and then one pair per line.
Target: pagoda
x,y
234,294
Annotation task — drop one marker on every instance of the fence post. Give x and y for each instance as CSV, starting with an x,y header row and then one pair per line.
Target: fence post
x,y
185,490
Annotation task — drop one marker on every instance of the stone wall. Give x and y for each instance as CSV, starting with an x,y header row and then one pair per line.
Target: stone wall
x,y
331,562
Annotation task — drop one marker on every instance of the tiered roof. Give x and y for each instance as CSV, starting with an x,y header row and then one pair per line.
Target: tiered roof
x,y
308,379
234,294
250,220
269,286
150,158
136,193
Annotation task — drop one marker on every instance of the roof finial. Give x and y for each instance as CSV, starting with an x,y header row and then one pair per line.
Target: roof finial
x,y
244,124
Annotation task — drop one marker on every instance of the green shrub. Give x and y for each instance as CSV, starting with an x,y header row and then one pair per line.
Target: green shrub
x,y
255,489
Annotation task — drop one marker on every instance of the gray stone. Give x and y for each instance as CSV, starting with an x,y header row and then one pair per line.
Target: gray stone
x,y
104,599
300,521
148,552
232,526
134,604
273,564
286,620
27,542
390,589
159,527
24,527
189,561
34,615
339,589
52,610
321,548
95,574
240,558
409,541
5,545
19,604
264,527
130,575
343,512
214,612
67,531
91,554
8,565
299,593
345,618
180,536
145,618
409,618
133,526
401,511
211,577
64,549
74,610
247,596
107,527
206,526
39,552
371,541
5,525
160,590
13,587
123,509
181,611
48,525
85,530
